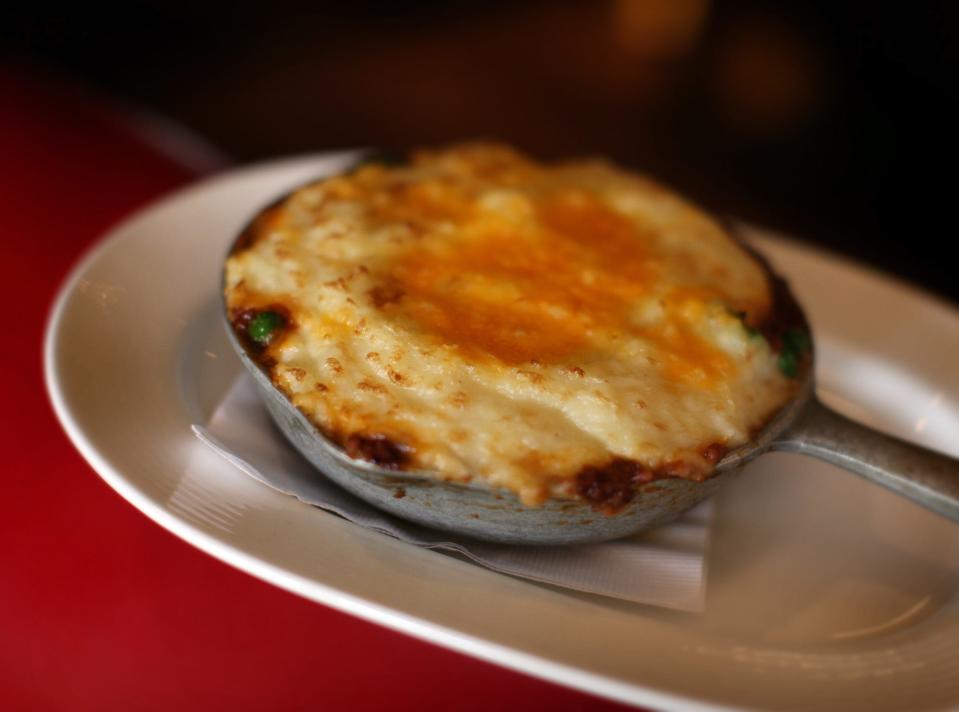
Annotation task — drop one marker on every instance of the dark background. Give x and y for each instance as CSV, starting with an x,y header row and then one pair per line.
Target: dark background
x,y
832,121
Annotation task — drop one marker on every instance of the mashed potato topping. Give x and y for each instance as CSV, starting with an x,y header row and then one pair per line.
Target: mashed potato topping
x,y
488,318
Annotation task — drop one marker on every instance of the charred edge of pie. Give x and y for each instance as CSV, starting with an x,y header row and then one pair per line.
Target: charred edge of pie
x,y
608,488
378,449
714,453
785,315
242,317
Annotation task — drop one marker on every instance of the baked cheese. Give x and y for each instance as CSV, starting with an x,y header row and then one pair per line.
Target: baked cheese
x,y
490,319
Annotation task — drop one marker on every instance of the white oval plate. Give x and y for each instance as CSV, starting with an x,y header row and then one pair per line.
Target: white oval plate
x,y
824,592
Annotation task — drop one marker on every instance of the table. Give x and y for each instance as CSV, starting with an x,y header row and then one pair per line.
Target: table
x,y
99,607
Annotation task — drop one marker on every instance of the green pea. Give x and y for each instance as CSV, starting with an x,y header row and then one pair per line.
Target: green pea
x,y
796,343
789,363
263,327
797,340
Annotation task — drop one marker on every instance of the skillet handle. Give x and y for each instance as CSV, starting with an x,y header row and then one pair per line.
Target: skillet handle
x,y
926,477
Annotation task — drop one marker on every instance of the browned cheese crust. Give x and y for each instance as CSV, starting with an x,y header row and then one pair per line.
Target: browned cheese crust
x,y
567,330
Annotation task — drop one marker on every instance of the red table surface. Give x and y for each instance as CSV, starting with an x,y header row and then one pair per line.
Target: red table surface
x,y
100,608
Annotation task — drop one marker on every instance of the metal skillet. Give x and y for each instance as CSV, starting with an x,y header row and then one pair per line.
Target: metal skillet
x,y
804,425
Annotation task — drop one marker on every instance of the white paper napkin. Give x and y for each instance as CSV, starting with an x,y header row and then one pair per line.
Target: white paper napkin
x,y
664,567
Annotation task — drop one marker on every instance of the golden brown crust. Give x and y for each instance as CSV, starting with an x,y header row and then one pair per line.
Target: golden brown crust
x,y
502,300
376,448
